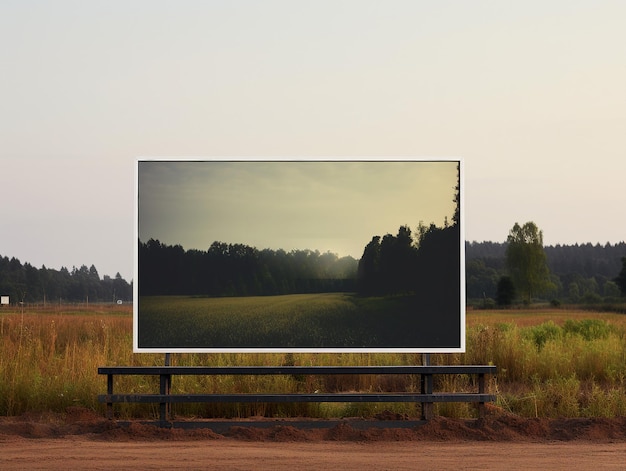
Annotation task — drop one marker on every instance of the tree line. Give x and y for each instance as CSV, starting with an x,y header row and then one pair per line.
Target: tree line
x,y
389,265
427,263
576,273
228,269
25,283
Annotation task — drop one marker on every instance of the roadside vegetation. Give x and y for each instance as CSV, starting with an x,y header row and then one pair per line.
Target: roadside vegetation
x,y
551,363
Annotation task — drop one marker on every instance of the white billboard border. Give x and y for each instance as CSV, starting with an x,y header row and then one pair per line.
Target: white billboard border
x,y
462,307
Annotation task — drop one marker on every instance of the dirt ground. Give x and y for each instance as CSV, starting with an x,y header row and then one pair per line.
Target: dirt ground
x,y
81,439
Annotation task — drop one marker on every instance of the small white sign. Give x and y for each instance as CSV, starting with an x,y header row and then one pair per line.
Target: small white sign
x,y
4,300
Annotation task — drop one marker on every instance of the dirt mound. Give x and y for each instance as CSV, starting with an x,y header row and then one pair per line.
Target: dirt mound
x,y
142,432
278,433
495,427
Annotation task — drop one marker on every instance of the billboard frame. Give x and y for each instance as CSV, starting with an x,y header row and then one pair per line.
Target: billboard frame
x,y
279,350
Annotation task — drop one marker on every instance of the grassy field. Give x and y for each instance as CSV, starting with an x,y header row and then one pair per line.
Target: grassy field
x,y
330,320
552,363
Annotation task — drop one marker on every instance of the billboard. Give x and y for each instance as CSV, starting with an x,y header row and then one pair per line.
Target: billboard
x,y
316,255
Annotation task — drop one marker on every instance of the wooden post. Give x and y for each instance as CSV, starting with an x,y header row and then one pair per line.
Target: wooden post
x,y
427,388
109,391
165,380
481,390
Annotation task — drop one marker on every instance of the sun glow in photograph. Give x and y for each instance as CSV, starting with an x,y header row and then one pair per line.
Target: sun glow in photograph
x,y
318,255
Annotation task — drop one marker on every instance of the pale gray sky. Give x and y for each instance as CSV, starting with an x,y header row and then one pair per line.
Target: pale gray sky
x,y
335,206
530,94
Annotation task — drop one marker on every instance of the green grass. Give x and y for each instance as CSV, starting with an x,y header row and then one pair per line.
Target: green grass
x,y
271,321
333,320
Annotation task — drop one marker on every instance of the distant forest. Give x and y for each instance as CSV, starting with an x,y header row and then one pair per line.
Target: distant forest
x,y
25,283
390,264
581,273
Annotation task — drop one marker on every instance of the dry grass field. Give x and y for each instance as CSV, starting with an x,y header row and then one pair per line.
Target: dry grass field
x,y
551,363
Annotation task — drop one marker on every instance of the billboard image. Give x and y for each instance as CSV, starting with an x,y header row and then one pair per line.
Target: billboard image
x,y
318,255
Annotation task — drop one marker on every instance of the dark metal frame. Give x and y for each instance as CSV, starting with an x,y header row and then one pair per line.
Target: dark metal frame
x,y
426,396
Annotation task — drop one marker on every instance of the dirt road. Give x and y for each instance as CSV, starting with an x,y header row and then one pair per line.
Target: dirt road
x,y
80,453
83,441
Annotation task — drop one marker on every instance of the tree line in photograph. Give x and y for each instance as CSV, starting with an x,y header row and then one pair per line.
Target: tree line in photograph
x,y
23,283
389,265
227,269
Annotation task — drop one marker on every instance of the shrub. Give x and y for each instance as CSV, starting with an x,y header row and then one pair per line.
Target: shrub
x,y
589,329
542,333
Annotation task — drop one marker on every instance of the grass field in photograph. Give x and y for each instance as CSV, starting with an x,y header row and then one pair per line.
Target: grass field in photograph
x,y
329,320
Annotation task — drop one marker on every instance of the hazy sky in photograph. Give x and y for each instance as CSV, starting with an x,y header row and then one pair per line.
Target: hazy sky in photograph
x,y
529,94
335,206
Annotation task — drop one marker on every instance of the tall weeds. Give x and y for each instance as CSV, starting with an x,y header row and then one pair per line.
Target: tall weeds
x,y
568,365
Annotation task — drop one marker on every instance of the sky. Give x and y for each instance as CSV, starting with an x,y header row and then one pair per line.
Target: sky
x,y
530,95
329,206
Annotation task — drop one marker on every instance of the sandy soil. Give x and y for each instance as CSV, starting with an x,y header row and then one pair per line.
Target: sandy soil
x,y
83,440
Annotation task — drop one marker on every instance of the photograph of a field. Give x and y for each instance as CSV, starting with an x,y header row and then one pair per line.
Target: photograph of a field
x,y
326,320
272,232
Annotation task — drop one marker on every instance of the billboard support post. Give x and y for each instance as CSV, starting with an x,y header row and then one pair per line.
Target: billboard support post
x,y
165,388
427,388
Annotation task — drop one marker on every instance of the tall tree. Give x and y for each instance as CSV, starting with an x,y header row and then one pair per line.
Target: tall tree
x,y
456,217
526,260
368,273
621,278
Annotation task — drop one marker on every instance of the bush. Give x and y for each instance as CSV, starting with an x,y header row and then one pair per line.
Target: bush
x,y
541,333
589,329
591,298
489,303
